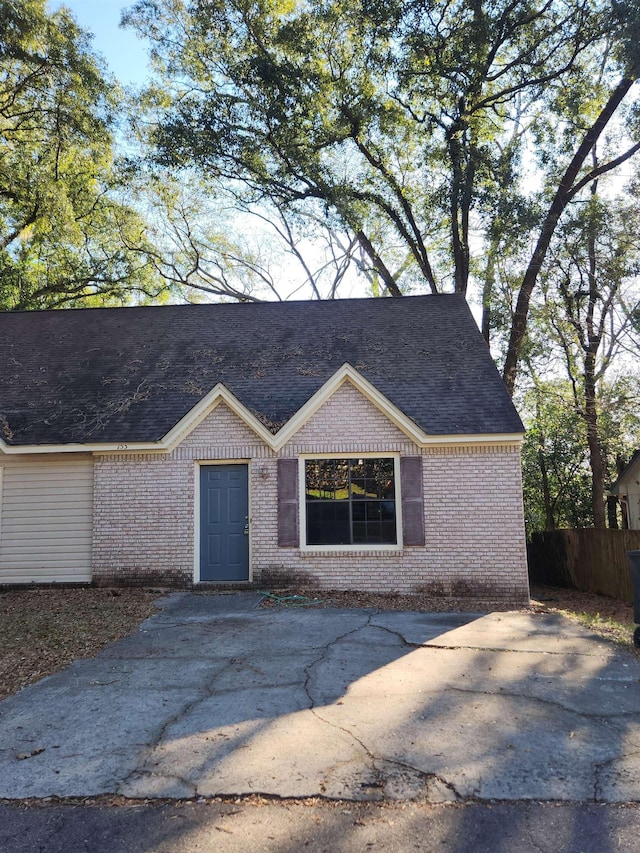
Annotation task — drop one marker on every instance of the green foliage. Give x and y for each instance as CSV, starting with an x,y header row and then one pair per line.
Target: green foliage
x,y
555,462
65,235
628,14
407,121
590,289
619,422
555,466
581,327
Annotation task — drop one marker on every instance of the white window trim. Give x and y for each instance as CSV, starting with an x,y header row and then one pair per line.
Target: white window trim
x,y
302,504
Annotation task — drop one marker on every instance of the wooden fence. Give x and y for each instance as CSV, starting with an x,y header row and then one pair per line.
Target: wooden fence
x,y
590,560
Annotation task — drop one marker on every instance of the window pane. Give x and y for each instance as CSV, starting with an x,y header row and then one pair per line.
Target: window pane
x,y
328,523
373,511
388,510
359,533
359,511
388,532
312,479
358,488
350,501
327,479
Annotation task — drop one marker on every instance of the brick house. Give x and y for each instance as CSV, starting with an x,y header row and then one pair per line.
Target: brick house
x,y
358,444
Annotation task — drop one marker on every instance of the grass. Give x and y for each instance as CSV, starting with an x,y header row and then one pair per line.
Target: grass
x,y
607,617
606,627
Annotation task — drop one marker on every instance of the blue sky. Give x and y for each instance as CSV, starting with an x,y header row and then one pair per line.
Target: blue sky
x,y
124,53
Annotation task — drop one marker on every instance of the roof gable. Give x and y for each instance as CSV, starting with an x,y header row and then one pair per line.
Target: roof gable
x,y
627,475
139,375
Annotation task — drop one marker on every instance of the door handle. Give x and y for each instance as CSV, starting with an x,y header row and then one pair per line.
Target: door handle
x,y
246,525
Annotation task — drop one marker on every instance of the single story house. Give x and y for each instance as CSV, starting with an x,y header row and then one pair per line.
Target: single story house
x,y
364,444
627,488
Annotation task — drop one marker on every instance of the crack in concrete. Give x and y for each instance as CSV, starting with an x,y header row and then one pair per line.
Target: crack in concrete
x,y
386,775
528,697
325,649
601,766
422,774
375,760
205,692
429,644
165,777
312,703
380,776
494,649
393,633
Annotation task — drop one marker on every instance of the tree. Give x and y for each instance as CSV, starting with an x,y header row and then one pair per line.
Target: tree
x,y
570,185
66,235
591,297
583,325
214,245
410,123
554,460
557,479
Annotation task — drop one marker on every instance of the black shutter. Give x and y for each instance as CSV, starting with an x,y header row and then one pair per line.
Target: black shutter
x,y
412,500
288,503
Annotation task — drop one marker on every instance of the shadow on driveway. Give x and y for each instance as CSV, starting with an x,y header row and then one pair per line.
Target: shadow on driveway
x,y
213,696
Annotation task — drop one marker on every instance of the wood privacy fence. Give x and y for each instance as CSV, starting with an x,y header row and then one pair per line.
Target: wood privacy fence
x,y
590,560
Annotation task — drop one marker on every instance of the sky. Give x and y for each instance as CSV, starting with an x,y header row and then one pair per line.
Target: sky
x,y
124,52
126,58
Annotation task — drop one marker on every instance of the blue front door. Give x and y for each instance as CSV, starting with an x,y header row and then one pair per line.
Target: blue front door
x,y
224,523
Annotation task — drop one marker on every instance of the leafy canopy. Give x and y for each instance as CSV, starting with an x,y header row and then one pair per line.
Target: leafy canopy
x,y
64,234
406,120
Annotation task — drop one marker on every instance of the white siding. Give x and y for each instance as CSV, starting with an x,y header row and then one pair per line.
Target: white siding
x,y
633,498
46,512
628,486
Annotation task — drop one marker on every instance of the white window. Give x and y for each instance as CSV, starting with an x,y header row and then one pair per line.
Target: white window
x,y
351,501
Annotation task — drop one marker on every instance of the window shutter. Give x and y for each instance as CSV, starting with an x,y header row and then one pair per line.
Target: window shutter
x,y
412,500
288,503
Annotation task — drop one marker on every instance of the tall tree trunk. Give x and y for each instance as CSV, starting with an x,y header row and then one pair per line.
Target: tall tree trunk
x,y
487,289
561,199
591,346
463,167
621,464
593,441
378,264
550,522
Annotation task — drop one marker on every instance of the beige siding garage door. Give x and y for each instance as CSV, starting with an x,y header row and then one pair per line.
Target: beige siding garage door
x,y
46,509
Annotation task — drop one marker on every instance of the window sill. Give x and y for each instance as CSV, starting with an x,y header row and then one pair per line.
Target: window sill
x,y
341,551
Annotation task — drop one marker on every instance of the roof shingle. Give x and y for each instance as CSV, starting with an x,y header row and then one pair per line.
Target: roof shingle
x,y
130,374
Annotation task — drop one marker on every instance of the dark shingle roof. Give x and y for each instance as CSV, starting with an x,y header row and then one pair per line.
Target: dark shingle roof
x,y
130,374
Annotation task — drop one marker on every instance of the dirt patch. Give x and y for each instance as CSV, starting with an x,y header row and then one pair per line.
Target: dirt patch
x,y
44,630
606,617
425,602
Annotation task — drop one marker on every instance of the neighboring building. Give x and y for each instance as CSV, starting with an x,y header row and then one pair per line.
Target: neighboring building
x,y
627,488
358,444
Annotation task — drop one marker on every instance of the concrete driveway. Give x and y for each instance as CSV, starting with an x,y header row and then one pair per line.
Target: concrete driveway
x,y
212,696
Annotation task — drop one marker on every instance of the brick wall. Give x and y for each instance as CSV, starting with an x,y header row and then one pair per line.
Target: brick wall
x,y
475,547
